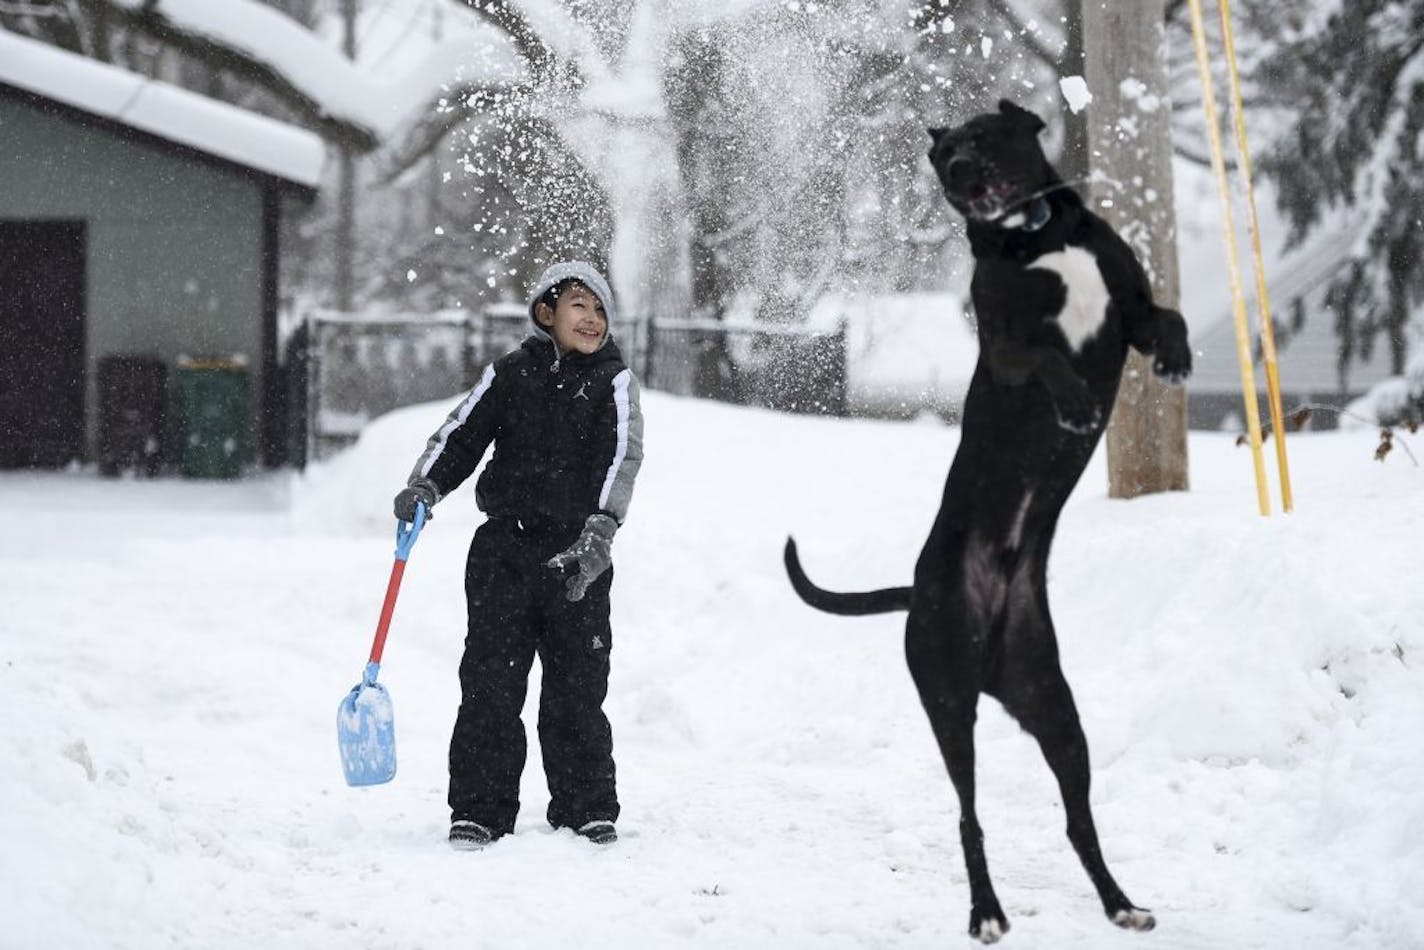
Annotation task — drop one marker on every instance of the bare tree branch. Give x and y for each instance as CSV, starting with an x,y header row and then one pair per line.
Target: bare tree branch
x,y
543,62
53,21
30,9
1029,36
1200,157
930,16
423,136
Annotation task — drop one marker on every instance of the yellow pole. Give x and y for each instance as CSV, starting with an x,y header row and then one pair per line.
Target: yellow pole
x,y
1263,301
1233,266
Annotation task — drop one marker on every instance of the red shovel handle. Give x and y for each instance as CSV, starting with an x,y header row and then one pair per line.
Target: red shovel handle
x,y
405,540
384,624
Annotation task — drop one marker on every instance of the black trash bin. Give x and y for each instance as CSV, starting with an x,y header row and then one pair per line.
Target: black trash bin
x,y
133,399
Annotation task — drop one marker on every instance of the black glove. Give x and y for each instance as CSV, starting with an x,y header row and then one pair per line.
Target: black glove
x,y
421,490
592,551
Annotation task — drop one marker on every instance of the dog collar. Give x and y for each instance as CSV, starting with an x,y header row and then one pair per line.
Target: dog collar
x,y
1034,217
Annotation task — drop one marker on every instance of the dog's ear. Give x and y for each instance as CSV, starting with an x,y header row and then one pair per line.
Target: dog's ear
x,y
936,134
1018,113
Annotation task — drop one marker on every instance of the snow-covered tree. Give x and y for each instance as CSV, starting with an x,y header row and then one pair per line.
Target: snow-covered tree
x,y
802,139
766,150
1352,76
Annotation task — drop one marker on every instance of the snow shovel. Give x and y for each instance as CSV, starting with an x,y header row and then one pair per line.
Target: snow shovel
x,y
365,721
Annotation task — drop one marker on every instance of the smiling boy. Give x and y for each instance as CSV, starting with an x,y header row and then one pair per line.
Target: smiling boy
x,y
562,414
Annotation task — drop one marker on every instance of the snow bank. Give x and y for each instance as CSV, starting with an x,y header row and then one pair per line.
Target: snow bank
x,y
174,653
905,353
1391,401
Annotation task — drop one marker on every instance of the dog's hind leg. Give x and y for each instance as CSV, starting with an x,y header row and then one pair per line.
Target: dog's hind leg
x,y
1033,690
944,672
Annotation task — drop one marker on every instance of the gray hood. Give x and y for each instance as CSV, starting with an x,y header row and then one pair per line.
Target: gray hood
x,y
586,274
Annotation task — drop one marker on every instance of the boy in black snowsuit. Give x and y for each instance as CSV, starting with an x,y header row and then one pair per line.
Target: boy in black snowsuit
x,y
562,413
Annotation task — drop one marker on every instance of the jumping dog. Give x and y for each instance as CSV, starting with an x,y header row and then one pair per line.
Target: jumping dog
x,y
1059,298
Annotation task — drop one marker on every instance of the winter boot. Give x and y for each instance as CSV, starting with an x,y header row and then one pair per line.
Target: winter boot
x,y
599,832
470,835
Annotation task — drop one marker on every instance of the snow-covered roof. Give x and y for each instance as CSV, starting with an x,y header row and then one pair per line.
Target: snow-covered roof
x,y
161,109
401,68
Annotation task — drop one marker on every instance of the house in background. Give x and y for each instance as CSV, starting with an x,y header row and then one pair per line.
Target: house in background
x,y
135,218
1308,358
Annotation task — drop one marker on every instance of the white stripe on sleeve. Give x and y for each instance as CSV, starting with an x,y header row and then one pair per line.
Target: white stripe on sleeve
x,y
456,419
620,400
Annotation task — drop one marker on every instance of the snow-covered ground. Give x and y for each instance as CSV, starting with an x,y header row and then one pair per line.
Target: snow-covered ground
x,y
172,655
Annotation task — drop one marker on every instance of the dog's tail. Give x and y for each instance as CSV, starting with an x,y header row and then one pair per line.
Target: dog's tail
x,y
885,601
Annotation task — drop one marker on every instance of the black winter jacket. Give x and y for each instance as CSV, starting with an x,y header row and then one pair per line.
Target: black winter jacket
x,y
567,434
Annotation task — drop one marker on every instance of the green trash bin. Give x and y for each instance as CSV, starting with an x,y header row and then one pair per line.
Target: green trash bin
x,y
211,397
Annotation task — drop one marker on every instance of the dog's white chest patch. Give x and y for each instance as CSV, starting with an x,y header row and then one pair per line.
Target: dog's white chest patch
x,y
1086,306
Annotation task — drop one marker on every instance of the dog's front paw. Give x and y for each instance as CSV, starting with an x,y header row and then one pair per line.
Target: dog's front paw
x,y
1172,363
1171,353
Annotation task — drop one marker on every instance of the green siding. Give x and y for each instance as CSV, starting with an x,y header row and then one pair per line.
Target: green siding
x,y
174,245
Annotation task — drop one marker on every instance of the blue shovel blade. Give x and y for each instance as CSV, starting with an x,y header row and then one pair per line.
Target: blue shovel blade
x,y
366,735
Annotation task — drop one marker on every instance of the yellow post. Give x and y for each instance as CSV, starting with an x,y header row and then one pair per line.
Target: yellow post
x,y
1238,300
1263,313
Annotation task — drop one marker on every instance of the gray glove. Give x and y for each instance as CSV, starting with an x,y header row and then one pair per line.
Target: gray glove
x,y
592,551
421,490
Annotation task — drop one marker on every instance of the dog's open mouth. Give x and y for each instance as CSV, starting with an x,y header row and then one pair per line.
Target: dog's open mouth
x,y
991,202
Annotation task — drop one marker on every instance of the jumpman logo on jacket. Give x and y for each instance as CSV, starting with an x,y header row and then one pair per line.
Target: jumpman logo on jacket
x,y
582,391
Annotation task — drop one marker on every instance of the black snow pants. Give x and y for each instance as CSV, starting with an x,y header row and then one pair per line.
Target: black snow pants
x,y
517,608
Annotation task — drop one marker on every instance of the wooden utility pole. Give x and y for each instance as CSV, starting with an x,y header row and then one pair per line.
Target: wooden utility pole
x,y
433,177
346,186
1073,163
1130,154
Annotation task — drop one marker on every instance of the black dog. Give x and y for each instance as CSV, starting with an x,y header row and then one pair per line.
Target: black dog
x,y
1059,299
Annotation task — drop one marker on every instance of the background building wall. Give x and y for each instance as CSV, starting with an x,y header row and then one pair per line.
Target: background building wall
x,y
174,245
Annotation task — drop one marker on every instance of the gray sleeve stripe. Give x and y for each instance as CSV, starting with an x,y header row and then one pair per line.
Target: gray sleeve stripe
x,y
456,419
628,456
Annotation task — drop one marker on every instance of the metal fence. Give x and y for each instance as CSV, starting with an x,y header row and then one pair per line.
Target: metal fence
x,y
780,367
344,370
